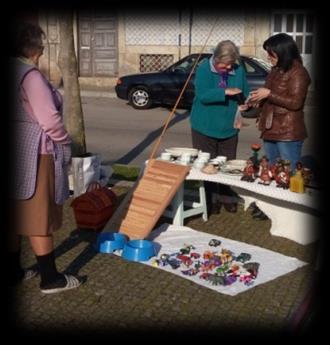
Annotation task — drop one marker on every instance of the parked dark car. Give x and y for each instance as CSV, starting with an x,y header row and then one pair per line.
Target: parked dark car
x,y
162,88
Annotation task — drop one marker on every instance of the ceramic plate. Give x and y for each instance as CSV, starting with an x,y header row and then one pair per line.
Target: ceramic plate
x,y
178,151
231,171
233,167
236,163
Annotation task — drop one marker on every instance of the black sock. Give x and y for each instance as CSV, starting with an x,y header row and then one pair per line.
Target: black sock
x,y
48,271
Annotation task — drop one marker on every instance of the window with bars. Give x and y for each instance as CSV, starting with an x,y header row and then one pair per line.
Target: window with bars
x,y
155,62
299,25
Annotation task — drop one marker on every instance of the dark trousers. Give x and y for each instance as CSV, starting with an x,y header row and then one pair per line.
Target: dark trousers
x,y
216,147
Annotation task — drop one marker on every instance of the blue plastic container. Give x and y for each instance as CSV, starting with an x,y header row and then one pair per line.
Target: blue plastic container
x,y
108,242
138,250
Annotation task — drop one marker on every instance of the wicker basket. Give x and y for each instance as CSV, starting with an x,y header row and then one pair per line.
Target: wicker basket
x,y
94,208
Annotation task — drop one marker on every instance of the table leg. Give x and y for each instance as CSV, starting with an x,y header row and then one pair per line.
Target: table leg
x,y
177,204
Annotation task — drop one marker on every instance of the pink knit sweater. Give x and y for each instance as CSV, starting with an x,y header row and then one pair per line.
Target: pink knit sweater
x,y
38,102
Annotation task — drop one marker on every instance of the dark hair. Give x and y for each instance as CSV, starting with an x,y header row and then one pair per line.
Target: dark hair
x,y
27,39
286,49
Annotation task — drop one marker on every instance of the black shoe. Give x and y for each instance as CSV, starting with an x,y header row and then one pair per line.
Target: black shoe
x,y
213,208
256,210
230,207
252,206
259,215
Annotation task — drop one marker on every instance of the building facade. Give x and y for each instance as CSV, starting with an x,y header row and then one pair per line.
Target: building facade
x,y
116,42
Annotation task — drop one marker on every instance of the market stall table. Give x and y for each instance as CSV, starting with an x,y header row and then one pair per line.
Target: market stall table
x,y
294,216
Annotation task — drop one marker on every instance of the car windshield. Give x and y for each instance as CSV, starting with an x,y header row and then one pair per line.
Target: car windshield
x,y
186,65
265,64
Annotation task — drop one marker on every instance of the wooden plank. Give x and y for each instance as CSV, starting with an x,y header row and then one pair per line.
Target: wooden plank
x,y
146,202
142,209
160,179
150,205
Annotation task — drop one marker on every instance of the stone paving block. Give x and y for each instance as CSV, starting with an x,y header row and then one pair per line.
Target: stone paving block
x,y
123,295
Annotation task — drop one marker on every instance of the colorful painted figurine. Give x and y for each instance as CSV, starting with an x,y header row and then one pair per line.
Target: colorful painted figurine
x,y
265,174
283,175
253,268
299,167
255,159
275,168
174,263
243,257
214,242
249,172
185,260
186,249
195,255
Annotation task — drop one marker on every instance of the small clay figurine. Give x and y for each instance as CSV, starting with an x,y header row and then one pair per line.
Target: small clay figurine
x,y
283,175
275,168
299,166
265,174
255,158
248,172
283,180
305,172
297,183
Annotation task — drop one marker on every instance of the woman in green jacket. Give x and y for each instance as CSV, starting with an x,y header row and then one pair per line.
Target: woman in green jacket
x,y
213,117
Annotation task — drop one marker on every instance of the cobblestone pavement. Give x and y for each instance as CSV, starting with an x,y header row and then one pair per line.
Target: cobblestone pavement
x,y
121,296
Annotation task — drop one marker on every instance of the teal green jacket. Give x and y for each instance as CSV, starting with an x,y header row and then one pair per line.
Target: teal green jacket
x,y
213,113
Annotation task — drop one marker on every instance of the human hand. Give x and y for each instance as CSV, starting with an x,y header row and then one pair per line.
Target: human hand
x,y
243,107
258,95
231,91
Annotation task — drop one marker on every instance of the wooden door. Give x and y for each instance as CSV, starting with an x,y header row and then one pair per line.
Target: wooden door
x,y
98,44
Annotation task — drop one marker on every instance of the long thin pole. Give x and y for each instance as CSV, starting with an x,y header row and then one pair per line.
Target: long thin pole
x,y
190,27
155,148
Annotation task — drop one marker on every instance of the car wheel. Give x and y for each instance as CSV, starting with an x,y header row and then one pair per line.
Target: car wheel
x,y
139,98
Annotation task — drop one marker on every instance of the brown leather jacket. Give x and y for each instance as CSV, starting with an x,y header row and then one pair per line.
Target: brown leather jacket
x,y
282,115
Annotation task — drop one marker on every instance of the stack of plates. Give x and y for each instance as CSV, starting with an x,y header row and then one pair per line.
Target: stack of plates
x,y
178,151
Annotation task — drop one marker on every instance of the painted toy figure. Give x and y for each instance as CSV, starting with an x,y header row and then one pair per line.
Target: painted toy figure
x,y
255,158
299,166
297,182
276,167
249,172
265,174
306,173
283,176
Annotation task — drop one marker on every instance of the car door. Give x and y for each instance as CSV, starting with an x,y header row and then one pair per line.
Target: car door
x,y
177,75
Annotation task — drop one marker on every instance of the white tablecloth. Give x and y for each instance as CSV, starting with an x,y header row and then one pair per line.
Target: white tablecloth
x,y
293,215
309,199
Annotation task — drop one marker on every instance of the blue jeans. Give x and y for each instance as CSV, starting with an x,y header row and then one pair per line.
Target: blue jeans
x,y
290,150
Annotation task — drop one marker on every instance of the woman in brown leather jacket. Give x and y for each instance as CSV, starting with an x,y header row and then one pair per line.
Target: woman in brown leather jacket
x,y
282,99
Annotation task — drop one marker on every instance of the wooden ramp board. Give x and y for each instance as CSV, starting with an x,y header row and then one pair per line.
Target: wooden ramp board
x,y
139,212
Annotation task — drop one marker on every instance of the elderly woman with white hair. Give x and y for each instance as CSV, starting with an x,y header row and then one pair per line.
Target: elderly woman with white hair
x,y
218,82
